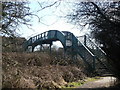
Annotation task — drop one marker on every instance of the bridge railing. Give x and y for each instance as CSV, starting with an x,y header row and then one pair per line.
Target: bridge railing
x,y
35,39
95,48
80,38
97,51
87,55
38,37
82,50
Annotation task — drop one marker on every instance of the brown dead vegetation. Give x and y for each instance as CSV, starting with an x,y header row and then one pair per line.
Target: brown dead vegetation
x,y
37,70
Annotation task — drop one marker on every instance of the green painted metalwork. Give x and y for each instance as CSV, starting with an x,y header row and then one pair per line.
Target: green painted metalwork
x,y
100,55
70,42
45,38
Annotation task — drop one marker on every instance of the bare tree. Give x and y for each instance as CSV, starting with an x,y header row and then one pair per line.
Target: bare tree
x,y
14,13
104,21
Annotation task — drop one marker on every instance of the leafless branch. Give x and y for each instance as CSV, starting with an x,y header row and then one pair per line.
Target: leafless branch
x,y
50,5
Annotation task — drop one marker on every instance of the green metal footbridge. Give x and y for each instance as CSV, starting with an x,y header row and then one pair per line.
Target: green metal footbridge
x,y
91,53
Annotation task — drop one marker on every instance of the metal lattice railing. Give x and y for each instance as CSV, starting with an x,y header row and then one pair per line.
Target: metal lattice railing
x,y
87,55
96,50
94,47
99,57
34,39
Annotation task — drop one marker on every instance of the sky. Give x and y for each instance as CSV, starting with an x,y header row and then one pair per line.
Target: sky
x,y
50,19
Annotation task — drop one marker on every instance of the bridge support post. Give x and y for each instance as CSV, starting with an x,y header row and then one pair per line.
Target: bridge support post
x,y
50,47
93,63
85,40
33,48
41,47
64,52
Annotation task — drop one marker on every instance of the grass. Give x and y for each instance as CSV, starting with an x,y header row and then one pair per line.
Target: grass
x,y
72,85
80,82
92,79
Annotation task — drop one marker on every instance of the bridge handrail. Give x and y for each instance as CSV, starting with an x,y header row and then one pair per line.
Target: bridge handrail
x,y
81,44
88,50
85,47
96,44
43,36
90,54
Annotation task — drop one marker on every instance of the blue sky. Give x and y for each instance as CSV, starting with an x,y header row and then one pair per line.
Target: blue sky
x,y
50,19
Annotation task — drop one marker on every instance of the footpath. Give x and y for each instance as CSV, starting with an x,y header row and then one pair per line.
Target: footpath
x,y
103,82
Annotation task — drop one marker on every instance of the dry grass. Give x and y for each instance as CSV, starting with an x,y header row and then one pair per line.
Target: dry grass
x,y
34,70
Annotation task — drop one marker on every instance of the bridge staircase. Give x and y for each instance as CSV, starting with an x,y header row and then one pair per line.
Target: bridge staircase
x,y
93,56
101,64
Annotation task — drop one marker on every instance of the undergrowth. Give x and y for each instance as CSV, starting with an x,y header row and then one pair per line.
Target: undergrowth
x,y
37,70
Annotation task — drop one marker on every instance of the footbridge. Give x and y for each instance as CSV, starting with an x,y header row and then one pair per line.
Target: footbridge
x,y
91,53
